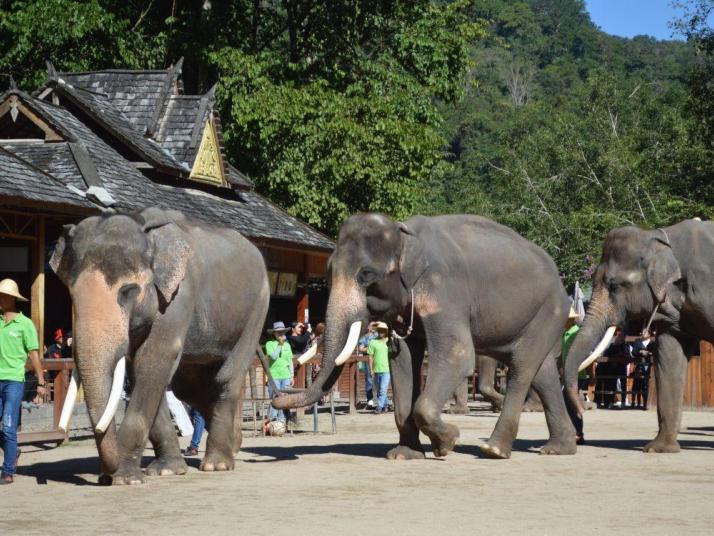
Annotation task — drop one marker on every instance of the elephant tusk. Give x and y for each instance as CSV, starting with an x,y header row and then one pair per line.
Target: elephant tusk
x,y
69,402
307,356
114,397
599,349
352,337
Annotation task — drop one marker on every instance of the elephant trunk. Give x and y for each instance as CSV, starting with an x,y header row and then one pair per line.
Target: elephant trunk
x,y
592,339
102,375
346,311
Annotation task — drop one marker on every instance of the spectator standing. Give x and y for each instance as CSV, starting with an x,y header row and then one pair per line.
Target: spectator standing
x,y
642,351
67,348
18,339
56,348
362,344
379,362
280,357
199,425
299,338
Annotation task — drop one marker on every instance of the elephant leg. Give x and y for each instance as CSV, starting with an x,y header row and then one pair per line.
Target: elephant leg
x,y
451,356
151,373
405,368
224,437
461,395
670,375
486,375
533,402
528,355
163,438
562,433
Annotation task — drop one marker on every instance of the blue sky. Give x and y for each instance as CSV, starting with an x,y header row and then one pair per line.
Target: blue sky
x,y
628,18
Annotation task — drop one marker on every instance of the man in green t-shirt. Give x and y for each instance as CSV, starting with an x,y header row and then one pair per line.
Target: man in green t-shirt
x,y
280,357
18,339
379,364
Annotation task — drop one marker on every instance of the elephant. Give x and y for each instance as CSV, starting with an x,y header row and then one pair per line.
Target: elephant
x,y
662,276
464,285
178,303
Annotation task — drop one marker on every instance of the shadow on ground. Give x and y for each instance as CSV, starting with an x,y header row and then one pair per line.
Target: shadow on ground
x,y
73,471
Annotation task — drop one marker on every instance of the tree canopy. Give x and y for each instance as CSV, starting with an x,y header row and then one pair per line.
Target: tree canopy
x,y
520,110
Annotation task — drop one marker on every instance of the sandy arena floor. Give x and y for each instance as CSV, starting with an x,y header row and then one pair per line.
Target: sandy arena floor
x,y
342,485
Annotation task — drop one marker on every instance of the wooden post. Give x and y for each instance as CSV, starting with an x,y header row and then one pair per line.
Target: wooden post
x,y
352,372
37,295
61,384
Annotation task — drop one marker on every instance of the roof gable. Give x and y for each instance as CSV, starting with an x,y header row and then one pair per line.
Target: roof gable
x,y
18,121
208,165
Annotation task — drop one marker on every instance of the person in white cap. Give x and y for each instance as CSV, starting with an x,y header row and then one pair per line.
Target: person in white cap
x,y
18,339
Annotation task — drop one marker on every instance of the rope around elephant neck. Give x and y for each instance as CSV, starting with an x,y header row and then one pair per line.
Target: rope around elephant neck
x,y
411,323
649,322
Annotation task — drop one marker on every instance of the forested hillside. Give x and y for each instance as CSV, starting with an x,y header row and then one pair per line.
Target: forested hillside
x,y
521,110
569,131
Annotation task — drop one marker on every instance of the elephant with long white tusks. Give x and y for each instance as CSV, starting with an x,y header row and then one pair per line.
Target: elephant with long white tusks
x,y
463,285
658,277
167,302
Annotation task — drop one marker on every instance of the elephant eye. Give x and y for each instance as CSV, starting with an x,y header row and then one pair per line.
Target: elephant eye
x,y
368,275
128,293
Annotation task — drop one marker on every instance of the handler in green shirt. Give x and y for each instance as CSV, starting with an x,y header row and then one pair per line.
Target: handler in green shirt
x,y
18,339
379,363
280,357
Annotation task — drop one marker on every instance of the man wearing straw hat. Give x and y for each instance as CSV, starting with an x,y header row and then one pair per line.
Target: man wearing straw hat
x,y
18,338
280,357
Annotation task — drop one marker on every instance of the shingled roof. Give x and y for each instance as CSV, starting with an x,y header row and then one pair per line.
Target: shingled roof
x,y
147,110
23,181
89,155
137,94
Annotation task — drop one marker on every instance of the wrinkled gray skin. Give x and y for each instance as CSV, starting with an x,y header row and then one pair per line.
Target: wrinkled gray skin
x,y
473,293
486,368
151,287
638,270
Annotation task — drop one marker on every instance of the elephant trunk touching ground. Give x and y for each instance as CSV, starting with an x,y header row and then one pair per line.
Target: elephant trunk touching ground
x,y
346,310
592,339
101,346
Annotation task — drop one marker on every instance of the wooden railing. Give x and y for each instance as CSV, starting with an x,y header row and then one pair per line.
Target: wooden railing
x,y
59,386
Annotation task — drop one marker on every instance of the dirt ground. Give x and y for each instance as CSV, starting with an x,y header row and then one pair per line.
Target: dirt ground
x,y
342,485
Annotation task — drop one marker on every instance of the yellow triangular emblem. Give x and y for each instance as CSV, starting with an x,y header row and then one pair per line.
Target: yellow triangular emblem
x,y
208,166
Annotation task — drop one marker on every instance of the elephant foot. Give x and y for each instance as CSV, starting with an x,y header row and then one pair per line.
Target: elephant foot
x,y
402,452
459,409
660,446
167,467
128,477
559,446
533,406
217,461
444,443
495,451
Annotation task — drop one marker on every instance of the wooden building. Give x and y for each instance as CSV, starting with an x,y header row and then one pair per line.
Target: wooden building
x,y
124,140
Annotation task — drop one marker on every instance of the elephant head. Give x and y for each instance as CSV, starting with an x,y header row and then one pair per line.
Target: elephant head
x,y
636,275
376,263
121,272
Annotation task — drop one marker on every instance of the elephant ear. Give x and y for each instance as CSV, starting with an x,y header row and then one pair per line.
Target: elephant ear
x,y
412,261
662,269
171,252
59,261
